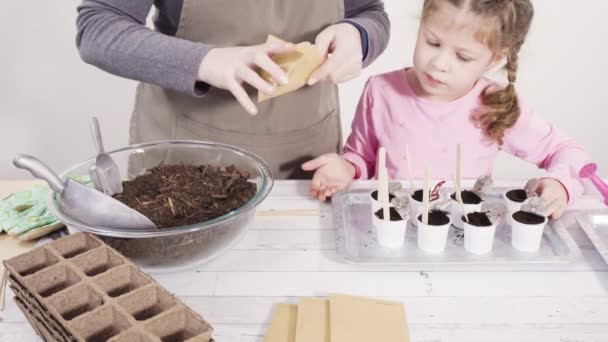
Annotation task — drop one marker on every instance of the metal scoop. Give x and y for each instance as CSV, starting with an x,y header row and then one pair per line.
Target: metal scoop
x,y
104,172
85,204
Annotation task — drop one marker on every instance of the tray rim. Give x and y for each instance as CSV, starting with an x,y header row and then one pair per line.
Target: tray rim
x,y
573,257
584,221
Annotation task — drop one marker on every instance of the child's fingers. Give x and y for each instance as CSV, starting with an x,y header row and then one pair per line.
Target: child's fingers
x,y
553,201
553,209
317,187
329,192
558,213
314,164
322,186
322,197
555,215
532,186
322,189
317,181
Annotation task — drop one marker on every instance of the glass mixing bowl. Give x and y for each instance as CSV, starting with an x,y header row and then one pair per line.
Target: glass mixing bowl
x,y
172,249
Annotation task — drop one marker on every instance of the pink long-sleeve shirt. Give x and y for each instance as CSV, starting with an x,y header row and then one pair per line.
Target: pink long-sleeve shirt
x,y
390,114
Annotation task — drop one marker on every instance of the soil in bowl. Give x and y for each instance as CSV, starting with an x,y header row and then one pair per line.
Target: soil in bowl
x,y
174,195
468,197
517,195
528,218
437,218
393,214
478,219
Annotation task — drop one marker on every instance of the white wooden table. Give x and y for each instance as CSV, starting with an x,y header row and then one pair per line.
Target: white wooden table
x,y
282,258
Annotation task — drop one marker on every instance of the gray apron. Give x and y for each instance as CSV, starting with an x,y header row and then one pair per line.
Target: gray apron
x,y
288,130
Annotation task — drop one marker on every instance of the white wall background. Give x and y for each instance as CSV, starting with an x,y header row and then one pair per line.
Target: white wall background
x,y
47,94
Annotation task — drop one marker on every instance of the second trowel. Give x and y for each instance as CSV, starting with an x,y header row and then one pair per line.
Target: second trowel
x,y
104,173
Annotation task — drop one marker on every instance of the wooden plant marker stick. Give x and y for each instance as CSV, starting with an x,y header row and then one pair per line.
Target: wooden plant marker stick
x,y
383,184
458,194
410,176
4,275
425,196
294,212
457,183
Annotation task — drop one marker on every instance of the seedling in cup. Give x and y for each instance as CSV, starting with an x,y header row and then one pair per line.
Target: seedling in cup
x,y
479,231
433,226
390,226
464,201
528,224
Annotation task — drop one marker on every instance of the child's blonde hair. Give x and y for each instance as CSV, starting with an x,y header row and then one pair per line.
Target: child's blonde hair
x,y
507,24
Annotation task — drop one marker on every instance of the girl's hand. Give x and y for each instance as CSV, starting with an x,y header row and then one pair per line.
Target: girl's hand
x,y
228,68
333,173
340,45
554,193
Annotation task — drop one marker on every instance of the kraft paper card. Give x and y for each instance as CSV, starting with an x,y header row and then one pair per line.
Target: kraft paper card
x,y
298,66
283,325
313,320
357,319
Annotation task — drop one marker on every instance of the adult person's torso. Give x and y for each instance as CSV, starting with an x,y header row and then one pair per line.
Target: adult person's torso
x,y
288,129
225,23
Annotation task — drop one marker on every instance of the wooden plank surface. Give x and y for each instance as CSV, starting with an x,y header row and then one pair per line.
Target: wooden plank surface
x,y
283,257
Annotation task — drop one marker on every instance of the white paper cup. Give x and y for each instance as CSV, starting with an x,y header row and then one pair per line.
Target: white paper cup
x,y
456,212
511,205
479,240
526,237
390,234
432,239
377,205
415,208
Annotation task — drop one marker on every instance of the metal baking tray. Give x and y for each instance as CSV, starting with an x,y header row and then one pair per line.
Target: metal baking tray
x,y
595,225
356,242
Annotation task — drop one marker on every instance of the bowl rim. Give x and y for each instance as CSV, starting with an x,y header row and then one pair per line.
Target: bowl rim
x,y
265,187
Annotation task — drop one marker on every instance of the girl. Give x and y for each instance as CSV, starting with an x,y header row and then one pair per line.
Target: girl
x,y
445,100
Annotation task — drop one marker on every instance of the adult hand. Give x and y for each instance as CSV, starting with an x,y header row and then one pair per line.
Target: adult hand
x,y
340,45
228,68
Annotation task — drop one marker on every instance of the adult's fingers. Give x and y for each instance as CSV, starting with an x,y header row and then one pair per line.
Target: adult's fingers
x,y
323,71
323,43
241,95
264,62
249,76
277,48
345,72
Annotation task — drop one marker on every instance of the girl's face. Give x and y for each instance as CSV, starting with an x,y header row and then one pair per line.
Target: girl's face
x,y
449,59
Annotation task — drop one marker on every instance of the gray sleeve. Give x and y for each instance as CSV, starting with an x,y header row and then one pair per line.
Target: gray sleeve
x,y
370,15
112,36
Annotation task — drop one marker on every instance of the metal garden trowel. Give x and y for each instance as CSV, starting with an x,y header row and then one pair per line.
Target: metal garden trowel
x,y
85,204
